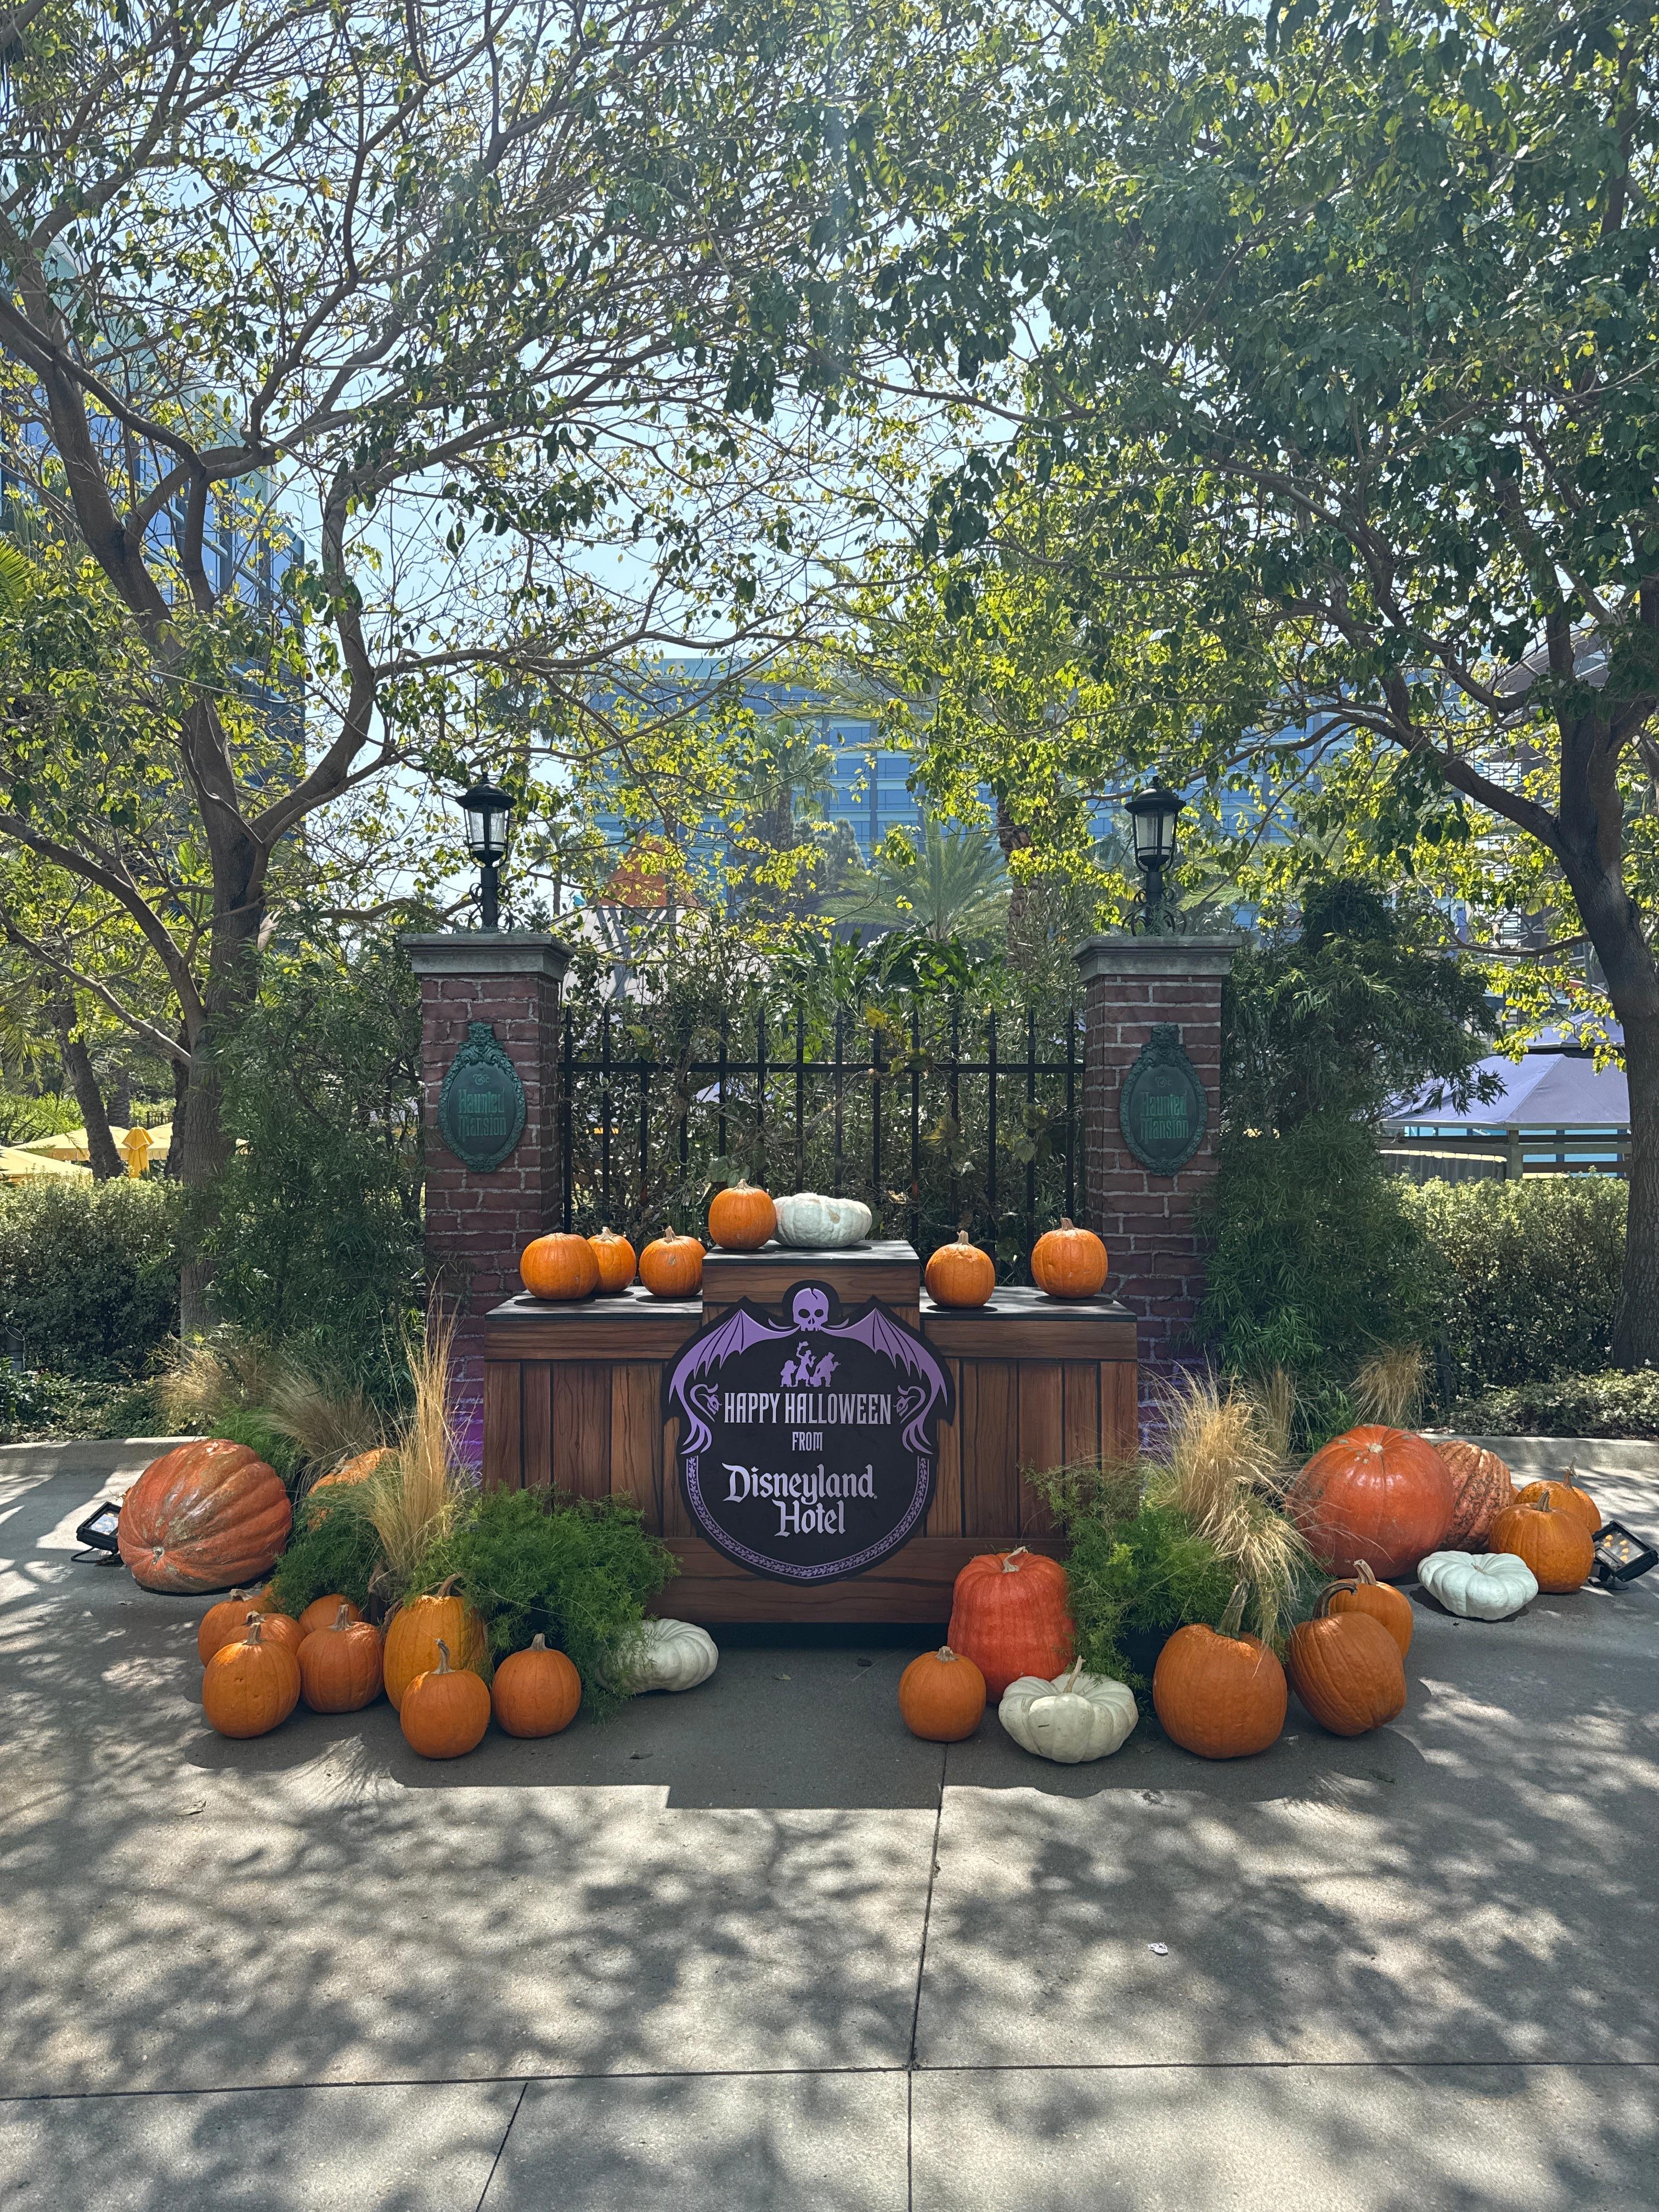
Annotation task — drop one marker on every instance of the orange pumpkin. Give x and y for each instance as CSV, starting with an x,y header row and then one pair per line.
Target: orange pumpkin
x,y
415,1630
1365,1594
960,1274
559,1266
445,1711
223,1622
1069,1262
1219,1693
353,1471
671,1266
1566,1498
536,1691
251,1686
1481,1484
321,1612
615,1258
341,1665
741,1218
1346,1669
1381,1495
202,1517
1010,1615
283,1628
1550,1540
941,1696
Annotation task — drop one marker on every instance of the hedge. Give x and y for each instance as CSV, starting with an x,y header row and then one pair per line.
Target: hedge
x,y
90,1273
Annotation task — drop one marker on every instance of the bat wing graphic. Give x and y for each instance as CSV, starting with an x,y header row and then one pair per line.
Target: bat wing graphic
x,y
734,1336
910,1353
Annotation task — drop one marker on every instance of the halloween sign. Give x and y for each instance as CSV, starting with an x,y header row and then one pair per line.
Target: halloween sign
x,y
807,1440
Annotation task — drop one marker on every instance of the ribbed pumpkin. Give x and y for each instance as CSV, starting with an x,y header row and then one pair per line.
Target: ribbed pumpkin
x,y
224,1621
616,1260
671,1266
352,1471
561,1266
341,1665
960,1274
536,1691
445,1711
322,1612
941,1696
1346,1669
1010,1615
1565,1497
1481,1484
202,1517
415,1631
741,1218
1069,1262
1219,1693
250,1687
1550,1540
1365,1594
1381,1495
283,1628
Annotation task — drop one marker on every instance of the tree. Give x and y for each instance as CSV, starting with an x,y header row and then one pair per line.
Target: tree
x,y
953,889
1347,322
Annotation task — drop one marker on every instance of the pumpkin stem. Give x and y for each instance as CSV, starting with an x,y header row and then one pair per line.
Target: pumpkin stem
x,y
1362,1572
962,1236
256,1629
1020,1551
538,1641
1232,1620
1067,1681
343,1618
946,1654
443,1667
1065,1220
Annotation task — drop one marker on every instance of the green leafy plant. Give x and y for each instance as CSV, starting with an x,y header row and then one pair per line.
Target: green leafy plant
x,y
252,1426
335,1546
90,1273
578,1570
1612,1404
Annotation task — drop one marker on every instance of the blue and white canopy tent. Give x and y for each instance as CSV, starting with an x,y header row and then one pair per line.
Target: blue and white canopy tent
x,y
1557,1113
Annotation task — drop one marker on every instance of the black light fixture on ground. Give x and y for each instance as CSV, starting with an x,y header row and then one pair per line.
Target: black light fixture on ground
x,y
486,810
1154,814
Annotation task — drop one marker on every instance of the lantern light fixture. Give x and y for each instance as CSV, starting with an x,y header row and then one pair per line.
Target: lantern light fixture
x,y
1154,815
486,811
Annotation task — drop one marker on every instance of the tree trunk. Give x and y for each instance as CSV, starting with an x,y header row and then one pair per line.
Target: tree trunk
x,y
1014,837
106,1163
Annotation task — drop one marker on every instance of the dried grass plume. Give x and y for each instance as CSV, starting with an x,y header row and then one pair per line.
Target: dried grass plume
x,y
1389,1387
415,1494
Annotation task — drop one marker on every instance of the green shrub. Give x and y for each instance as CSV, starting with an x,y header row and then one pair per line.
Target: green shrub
x,y
249,1425
34,1407
334,1548
90,1273
22,1120
1526,1276
1612,1404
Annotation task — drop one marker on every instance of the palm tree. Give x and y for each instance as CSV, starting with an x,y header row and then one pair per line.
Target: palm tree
x,y
956,887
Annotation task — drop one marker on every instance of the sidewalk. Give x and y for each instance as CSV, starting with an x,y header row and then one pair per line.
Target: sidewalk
x,y
758,1947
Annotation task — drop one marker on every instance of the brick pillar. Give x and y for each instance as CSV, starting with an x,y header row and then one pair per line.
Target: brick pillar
x,y
1147,1219
477,1224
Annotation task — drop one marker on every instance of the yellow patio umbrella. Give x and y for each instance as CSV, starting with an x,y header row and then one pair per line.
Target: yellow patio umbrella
x,y
18,1164
139,1148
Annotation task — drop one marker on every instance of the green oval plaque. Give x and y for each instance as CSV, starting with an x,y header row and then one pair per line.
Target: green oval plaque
x,y
481,1106
1162,1109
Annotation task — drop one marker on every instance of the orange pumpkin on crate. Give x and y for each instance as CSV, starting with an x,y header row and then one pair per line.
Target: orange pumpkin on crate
x,y
960,1274
1011,1614
1547,1538
349,1472
741,1218
561,1266
671,1266
1069,1262
617,1261
941,1696
202,1517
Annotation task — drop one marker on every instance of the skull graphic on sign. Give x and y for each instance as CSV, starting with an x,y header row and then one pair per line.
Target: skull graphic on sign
x,y
811,1310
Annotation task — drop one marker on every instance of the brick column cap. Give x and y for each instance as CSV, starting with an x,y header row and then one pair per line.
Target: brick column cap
x,y
480,952
1160,958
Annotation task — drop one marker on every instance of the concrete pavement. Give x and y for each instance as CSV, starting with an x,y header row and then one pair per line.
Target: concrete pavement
x,y
758,1947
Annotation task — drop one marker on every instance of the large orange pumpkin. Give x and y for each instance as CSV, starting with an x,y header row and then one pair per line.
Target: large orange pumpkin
x,y
1219,1693
341,1665
1381,1495
1553,1542
941,1696
249,1686
1010,1616
446,1710
741,1218
415,1631
202,1517
960,1274
1565,1497
1365,1594
1481,1484
559,1266
616,1259
1345,1668
1069,1262
671,1266
536,1691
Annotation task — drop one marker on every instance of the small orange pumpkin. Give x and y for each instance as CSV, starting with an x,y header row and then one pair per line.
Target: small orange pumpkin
x,y
446,1710
1365,1594
1219,1692
1069,1262
341,1664
536,1691
251,1686
1565,1497
741,1218
616,1259
559,1266
671,1266
960,1274
322,1612
283,1628
941,1696
223,1622
1346,1669
1481,1484
1548,1538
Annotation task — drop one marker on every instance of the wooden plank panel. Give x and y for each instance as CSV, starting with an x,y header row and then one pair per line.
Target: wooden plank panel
x,y
1120,1410
945,1514
1042,1432
588,1449
1080,1388
537,1406
636,1436
990,1447
503,1464
914,1584
676,1516
1024,1325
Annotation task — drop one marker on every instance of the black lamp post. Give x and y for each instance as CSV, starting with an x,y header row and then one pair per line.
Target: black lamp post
x,y
486,811
1152,815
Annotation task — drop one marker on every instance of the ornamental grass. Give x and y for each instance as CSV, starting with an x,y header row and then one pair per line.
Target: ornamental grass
x,y
1389,1385
413,1497
329,1418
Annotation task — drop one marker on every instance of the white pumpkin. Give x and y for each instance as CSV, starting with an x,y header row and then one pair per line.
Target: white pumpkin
x,y
1478,1585
1074,1717
667,1655
810,1222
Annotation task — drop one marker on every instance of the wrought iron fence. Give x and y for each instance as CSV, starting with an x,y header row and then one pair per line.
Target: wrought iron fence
x,y
935,1119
